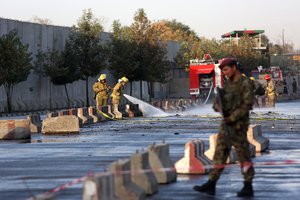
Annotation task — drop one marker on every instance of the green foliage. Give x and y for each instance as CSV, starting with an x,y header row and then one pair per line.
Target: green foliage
x,y
243,50
15,63
135,51
54,65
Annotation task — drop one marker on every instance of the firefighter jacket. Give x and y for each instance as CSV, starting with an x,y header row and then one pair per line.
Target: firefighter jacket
x,y
101,89
270,89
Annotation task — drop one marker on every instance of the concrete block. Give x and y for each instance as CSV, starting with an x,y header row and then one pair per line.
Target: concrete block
x,y
124,187
107,110
254,135
61,125
73,112
194,160
18,129
136,110
232,158
100,187
141,173
35,123
52,114
122,109
83,113
161,164
130,112
95,115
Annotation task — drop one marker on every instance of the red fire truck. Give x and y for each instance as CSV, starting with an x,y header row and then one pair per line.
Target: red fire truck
x,y
205,76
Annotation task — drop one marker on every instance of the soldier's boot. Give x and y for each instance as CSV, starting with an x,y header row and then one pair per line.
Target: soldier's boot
x,y
246,191
209,187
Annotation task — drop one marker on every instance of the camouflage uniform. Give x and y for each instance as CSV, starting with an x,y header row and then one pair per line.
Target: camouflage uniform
x,y
237,100
102,90
270,92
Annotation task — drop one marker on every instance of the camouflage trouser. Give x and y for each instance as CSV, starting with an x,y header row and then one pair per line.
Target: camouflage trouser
x,y
238,138
101,100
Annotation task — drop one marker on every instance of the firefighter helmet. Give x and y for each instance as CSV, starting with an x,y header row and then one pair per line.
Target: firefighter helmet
x,y
124,79
267,77
102,77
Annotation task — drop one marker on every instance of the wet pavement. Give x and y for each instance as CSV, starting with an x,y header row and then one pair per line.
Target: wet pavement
x,y
48,161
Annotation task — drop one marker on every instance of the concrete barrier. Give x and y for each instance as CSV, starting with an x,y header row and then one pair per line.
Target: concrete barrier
x,y
35,123
232,158
194,160
100,187
95,115
52,114
122,109
107,110
136,110
255,138
117,114
141,173
61,125
161,164
73,112
129,111
18,129
124,187
83,113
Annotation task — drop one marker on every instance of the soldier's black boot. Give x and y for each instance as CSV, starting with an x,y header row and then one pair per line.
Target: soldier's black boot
x,y
209,187
246,191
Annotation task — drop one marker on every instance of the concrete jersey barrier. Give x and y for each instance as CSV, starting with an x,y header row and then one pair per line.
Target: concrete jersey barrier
x,y
61,125
141,173
100,187
161,164
232,158
18,129
124,187
254,136
194,160
35,123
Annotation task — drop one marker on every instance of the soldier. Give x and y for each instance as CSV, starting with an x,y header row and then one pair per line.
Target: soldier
x,y
270,91
237,100
118,93
101,89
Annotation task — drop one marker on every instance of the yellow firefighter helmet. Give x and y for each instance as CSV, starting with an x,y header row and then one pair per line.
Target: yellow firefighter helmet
x,y
102,77
124,79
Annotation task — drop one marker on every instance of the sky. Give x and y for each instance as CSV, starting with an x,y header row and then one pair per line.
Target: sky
x,y
209,18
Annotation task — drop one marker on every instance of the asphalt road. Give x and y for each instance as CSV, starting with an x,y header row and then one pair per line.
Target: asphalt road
x,y
44,162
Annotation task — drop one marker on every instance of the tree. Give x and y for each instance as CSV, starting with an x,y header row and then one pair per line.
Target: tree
x,y
56,65
83,45
122,54
136,52
15,64
151,53
45,21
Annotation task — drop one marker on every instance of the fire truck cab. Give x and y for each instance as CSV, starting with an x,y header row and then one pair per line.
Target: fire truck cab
x,y
205,75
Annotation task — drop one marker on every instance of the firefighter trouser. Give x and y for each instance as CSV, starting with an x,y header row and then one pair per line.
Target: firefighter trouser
x,y
101,100
238,139
271,100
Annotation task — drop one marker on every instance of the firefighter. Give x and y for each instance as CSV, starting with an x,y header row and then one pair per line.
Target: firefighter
x,y
118,93
101,89
270,91
237,100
